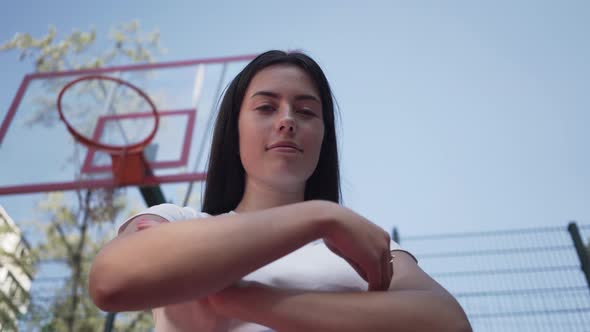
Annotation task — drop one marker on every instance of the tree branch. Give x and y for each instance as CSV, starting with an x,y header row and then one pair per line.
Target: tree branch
x,y
137,319
77,261
63,238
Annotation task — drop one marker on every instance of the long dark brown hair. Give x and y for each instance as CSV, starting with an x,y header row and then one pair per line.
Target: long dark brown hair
x,y
225,182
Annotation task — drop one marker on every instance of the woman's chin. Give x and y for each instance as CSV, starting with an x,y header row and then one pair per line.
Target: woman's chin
x,y
286,182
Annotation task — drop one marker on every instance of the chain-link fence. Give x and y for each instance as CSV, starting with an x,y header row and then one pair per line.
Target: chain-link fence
x,y
514,280
510,280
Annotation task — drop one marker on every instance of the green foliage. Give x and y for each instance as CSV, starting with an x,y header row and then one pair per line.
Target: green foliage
x,y
68,222
78,50
76,225
75,50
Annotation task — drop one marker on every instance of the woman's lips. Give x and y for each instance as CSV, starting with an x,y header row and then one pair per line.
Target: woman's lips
x,y
285,147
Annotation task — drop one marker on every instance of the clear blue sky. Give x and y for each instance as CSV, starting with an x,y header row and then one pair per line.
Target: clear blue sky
x,y
467,115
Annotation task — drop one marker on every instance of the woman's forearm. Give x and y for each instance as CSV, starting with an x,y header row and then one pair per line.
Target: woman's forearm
x,y
179,261
407,310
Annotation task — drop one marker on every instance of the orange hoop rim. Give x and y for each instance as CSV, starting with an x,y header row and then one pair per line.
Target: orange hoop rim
x,y
112,149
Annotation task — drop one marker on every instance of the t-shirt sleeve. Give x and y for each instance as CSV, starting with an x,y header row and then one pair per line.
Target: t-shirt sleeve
x,y
167,211
394,246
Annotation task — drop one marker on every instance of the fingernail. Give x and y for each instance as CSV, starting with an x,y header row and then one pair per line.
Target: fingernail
x,y
143,223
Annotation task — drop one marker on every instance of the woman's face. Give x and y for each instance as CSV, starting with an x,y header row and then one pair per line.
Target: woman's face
x,y
281,127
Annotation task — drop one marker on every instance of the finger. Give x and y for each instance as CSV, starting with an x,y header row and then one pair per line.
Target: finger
x,y
145,223
143,226
391,257
386,270
375,277
358,269
350,262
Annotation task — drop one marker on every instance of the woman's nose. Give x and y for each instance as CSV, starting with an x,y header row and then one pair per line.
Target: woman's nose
x,y
287,127
286,122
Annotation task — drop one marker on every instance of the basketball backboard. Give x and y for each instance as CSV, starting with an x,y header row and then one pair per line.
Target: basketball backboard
x,y
38,154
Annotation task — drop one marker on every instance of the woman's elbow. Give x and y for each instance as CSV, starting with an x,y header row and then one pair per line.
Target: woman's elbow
x,y
447,315
102,284
458,321
462,325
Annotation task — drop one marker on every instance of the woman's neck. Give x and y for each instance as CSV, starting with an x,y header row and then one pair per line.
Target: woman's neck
x,y
258,196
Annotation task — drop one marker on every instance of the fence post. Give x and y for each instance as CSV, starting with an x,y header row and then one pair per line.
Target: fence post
x,y
572,228
395,235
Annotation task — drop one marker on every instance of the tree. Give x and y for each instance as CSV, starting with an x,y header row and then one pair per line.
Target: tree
x,y
69,240
74,51
16,258
74,224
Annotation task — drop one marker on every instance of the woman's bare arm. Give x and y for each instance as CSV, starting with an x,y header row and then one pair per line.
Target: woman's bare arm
x,y
180,261
414,302
176,262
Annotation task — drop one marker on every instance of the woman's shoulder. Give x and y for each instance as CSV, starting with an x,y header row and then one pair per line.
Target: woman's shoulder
x,y
167,211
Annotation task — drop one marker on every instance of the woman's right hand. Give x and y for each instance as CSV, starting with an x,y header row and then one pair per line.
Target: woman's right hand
x,y
364,245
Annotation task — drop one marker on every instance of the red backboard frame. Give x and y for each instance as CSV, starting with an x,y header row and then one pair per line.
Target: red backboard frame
x,y
89,167
101,183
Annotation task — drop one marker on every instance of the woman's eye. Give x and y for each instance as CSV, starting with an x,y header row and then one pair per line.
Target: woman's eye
x,y
307,112
265,108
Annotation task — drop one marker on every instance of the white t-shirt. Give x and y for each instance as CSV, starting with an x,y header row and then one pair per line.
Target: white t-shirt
x,y
312,267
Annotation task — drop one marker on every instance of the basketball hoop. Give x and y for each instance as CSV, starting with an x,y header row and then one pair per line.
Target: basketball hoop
x,y
128,163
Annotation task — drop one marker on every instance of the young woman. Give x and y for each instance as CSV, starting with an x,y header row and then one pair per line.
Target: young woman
x,y
272,249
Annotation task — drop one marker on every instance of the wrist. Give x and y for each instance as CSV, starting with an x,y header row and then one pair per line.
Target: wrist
x,y
324,214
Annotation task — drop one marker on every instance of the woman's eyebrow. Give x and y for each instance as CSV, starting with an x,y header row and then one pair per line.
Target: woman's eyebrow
x,y
276,95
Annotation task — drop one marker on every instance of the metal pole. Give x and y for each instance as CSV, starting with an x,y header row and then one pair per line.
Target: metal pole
x,y
572,227
108,324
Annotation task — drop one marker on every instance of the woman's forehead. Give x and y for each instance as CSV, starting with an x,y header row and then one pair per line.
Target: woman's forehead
x,y
283,79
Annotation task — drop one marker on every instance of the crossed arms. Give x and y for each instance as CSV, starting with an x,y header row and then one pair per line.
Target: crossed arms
x,y
202,260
